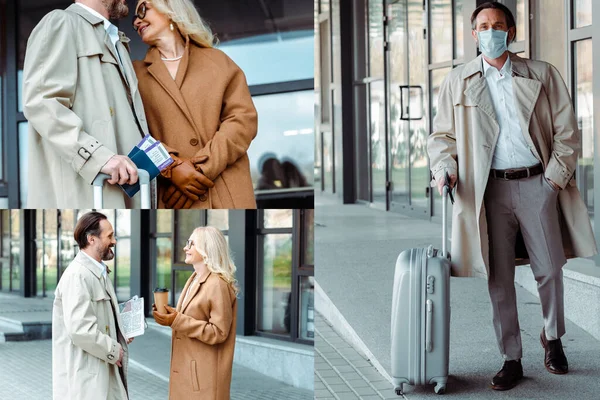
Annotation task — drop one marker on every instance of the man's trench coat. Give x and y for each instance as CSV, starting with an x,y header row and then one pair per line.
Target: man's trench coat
x,y
465,132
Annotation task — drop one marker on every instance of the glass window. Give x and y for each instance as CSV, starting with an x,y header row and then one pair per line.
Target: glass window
x,y
219,219
1,108
23,165
164,220
278,218
163,262
324,5
187,221
123,223
274,57
181,278
68,247
375,31
307,308
15,251
441,30
520,20
582,13
290,163
275,299
584,108
437,77
309,238
123,270
459,36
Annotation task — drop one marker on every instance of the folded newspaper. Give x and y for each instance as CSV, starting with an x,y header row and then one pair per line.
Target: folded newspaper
x,y
150,155
132,317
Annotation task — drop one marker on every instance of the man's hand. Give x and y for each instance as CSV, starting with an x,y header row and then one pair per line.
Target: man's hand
x,y
165,319
553,184
440,183
121,169
120,360
130,340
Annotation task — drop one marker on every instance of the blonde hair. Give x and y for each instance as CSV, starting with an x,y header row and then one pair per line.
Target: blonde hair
x,y
184,15
212,246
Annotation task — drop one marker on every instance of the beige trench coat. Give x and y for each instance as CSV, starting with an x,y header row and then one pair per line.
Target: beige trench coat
x,y
85,340
464,137
206,113
203,340
75,97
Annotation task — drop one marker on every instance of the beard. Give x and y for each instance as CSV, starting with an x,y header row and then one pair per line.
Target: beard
x,y
117,9
107,254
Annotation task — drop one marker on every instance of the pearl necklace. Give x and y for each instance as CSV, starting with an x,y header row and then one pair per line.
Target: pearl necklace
x,y
172,59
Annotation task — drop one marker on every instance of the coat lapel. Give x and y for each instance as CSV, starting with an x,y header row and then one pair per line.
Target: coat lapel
x,y
194,289
158,71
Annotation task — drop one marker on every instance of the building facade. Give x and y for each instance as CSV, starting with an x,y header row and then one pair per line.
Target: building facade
x,y
272,43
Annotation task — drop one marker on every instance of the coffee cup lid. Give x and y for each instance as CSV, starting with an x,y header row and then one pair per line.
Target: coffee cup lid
x,y
160,290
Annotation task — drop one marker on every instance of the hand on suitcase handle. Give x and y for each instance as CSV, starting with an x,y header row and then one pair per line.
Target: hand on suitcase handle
x,y
121,170
449,181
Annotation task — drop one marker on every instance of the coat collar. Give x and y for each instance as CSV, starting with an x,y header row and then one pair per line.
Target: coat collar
x,y
87,263
159,72
194,290
91,18
518,66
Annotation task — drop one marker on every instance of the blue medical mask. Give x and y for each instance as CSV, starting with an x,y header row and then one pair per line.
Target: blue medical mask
x,y
492,43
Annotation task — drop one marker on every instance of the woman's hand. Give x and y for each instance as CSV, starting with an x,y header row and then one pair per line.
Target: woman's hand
x,y
164,319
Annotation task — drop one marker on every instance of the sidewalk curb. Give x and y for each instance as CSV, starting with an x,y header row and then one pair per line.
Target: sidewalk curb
x,y
330,312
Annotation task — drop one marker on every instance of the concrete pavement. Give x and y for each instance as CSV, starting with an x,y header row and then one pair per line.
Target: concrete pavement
x,y
26,367
357,249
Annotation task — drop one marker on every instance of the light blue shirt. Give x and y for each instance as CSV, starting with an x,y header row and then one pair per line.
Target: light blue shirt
x,y
101,266
113,32
511,149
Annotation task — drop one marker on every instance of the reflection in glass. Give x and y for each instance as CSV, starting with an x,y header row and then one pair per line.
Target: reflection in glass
x,y
219,219
309,237
282,155
520,20
23,164
278,218
187,221
123,270
163,262
15,251
181,278
441,30
67,244
378,138
584,104
582,13
164,219
274,57
437,78
275,298
307,308
375,39
328,161
123,223
459,44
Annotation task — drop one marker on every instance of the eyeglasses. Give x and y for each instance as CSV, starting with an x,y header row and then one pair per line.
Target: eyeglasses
x,y
189,243
140,13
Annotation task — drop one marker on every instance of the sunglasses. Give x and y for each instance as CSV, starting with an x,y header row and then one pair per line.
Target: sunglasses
x,y
140,13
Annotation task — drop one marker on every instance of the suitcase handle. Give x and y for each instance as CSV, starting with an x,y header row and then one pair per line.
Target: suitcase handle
x,y
446,192
428,327
144,180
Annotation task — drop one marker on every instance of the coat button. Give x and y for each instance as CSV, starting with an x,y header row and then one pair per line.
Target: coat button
x,y
202,197
194,142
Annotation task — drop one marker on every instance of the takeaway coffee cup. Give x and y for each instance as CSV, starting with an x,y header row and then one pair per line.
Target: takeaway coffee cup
x,y
161,299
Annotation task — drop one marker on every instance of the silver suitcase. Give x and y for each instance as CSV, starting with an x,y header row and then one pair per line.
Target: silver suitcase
x,y
144,180
421,315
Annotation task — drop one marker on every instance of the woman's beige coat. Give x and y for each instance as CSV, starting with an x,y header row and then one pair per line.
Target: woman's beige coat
x,y
76,99
205,114
464,137
203,340
85,339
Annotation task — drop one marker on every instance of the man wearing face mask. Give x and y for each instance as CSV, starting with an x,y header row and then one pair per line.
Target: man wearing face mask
x,y
89,350
506,135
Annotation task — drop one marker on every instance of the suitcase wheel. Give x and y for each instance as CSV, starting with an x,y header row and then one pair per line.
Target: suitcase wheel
x,y
399,390
440,389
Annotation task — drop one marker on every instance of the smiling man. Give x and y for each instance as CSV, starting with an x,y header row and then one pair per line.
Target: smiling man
x,y
84,110
506,134
89,350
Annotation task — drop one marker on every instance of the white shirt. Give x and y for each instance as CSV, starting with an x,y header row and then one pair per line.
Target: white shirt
x,y
113,32
511,149
101,266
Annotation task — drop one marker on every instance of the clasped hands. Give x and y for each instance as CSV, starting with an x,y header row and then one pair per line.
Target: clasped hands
x,y
164,319
188,184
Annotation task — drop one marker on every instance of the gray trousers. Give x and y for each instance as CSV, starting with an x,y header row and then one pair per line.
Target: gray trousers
x,y
528,204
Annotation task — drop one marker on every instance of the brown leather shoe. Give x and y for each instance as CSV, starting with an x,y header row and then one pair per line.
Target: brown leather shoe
x,y
555,359
508,377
